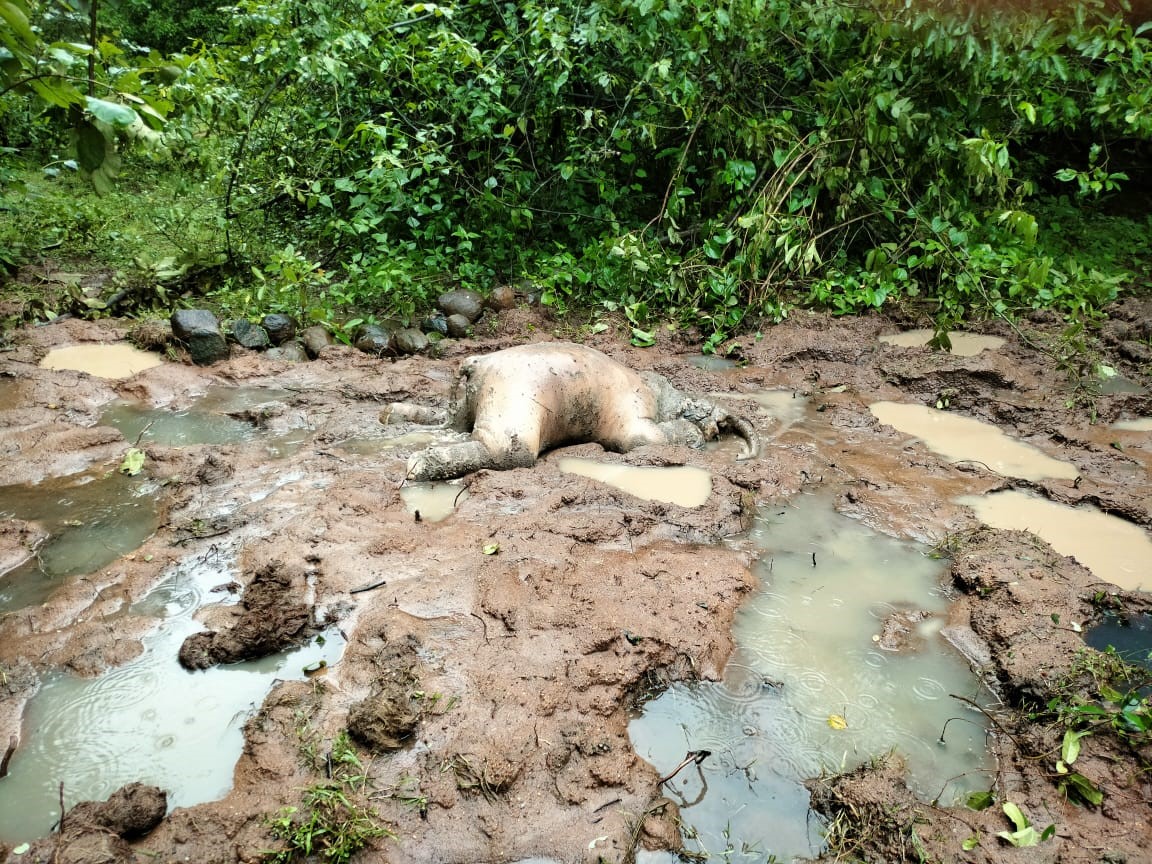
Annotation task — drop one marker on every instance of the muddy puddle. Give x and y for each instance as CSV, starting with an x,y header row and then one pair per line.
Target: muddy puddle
x,y
545,601
432,502
684,485
963,344
964,439
149,720
1139,424
839,659
1114,549
377,445
90,521
223,415
1130,636
113,361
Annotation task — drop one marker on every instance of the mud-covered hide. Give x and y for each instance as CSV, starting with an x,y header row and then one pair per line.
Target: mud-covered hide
x,y
523,401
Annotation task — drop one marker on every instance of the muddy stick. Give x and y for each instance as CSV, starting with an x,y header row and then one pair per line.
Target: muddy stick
x,y
697,756
991,719
7,756
61,828
371,587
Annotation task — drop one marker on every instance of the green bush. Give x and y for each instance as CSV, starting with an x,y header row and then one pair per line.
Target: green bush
x,y
712,163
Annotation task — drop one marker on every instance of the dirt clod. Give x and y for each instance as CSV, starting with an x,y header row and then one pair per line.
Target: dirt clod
x,y
272,617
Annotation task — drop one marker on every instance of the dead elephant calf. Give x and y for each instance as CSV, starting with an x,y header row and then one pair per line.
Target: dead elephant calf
x,y
522,401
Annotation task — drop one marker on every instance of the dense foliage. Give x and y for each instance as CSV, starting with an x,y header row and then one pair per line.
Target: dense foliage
x,y
703,162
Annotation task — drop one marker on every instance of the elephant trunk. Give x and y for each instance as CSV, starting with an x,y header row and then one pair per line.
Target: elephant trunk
x,y
744,429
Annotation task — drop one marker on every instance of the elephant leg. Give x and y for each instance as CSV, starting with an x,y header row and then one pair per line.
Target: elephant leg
x,y
449,461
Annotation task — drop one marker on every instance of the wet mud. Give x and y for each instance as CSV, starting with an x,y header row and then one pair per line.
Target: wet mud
x,y
495,658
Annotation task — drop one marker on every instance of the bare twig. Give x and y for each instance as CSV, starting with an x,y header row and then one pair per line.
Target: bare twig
x,y
371,587
697,756
8,756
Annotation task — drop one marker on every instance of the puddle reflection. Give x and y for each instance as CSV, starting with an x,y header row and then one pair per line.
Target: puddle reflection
x,y
963,344
91,521
807,655
434,502
148,720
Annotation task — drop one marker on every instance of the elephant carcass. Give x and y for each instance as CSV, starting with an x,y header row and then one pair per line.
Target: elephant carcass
x,y
522,401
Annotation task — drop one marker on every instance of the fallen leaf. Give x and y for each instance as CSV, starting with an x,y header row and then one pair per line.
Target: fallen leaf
x,y
835,721
133,462
491,548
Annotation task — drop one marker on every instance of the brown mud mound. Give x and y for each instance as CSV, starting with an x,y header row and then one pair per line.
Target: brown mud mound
x,y
387,719
98,832
480,710
272,616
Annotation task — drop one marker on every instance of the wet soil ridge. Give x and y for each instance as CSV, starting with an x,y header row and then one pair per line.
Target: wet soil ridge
x,y
272,616
508,679
99,832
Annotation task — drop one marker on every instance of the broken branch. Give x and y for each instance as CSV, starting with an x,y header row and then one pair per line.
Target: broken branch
x,y
697,756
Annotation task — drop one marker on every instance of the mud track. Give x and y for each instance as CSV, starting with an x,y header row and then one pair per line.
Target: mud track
x,y
490,693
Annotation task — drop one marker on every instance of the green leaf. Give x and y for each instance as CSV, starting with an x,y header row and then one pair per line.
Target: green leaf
x,y
642,338
91,147
491,548
1023,837
133,462
112,113
970,843
1017,816
980,800
835,721
15,18
1070,749
1083,788
101,182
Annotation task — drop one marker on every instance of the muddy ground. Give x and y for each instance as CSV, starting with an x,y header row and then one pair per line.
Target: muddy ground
x,y
489,694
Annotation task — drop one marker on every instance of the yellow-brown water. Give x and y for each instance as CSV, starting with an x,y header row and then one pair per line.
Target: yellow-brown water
x,y
117,360
433,501
681,484
961,439
963,344
1140,424
1114,550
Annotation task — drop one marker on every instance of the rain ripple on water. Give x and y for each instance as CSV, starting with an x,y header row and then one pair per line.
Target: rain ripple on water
x,y
807,655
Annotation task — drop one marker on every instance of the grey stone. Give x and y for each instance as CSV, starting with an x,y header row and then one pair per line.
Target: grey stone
x,y
411,341
249,335
458,326
436,323
502,297
280,327
200,331
461,302
316,339
293,352
374,339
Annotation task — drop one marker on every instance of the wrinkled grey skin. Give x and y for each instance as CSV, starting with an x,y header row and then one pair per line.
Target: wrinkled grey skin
x,y
522,401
